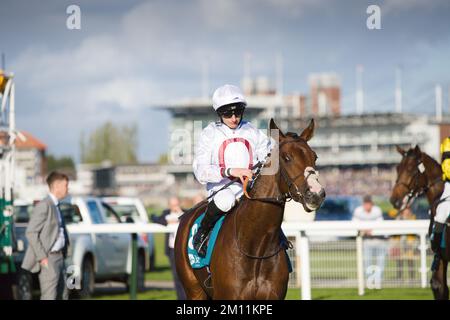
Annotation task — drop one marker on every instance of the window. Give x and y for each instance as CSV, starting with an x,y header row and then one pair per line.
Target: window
x,y
22,213
71,213
94,212
126,211
111,215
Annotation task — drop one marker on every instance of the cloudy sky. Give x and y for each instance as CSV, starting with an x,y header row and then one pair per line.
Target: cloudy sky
x,y
131,56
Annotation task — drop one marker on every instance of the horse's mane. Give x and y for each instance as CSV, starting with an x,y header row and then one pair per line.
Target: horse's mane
x,y
431,159
411,152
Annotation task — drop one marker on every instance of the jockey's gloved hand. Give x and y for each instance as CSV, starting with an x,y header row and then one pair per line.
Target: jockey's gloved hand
x,y
241,173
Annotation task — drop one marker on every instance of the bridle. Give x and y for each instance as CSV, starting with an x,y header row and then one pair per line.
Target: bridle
x,y
282,198
413,186
279,200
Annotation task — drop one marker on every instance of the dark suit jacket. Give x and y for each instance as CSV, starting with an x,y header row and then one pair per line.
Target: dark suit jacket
x,y
42,233
162,220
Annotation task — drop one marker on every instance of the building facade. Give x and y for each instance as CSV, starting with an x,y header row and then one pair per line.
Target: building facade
x,y
30,158
150,182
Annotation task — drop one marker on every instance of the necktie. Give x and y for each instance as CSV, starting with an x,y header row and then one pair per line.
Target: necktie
x,y
62,224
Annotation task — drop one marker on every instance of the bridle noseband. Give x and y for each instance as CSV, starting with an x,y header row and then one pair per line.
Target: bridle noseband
x,y
416,190
282,198
279,200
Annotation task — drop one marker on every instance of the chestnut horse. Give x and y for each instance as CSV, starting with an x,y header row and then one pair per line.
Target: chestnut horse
x,y
249,261
419,174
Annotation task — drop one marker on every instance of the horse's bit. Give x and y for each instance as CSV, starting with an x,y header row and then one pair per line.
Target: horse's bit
x,y
283,197
416,190
279,200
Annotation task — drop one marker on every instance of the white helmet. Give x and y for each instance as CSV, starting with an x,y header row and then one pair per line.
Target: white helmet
x,y
227,94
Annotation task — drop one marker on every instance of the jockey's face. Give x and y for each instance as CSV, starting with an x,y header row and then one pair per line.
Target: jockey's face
x,y
231,116
232,122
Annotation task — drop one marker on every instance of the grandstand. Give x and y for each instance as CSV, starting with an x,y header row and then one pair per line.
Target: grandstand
x,y
357,153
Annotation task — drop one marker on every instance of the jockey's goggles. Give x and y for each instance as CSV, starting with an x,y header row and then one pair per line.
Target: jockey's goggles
x,y
230,111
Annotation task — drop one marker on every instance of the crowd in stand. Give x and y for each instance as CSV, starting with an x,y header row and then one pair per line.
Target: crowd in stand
x,y
378,182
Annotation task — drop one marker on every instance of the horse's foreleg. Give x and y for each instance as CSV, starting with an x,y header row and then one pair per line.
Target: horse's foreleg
x,y
191,285
196,293
439,282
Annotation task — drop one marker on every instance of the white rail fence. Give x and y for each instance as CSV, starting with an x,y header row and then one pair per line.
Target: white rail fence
x,y
333,254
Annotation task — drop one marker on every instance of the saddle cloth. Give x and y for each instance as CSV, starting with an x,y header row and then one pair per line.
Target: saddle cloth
x,y
443,240
198,262
195,260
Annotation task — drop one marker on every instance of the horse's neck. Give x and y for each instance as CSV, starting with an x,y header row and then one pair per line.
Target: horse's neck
x,y
262,218
434,175
266,186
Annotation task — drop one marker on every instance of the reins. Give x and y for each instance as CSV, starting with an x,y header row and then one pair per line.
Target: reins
x,y
417,190
282,198
279,200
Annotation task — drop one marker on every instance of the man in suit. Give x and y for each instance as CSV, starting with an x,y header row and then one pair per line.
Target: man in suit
x,y
48,240
170,216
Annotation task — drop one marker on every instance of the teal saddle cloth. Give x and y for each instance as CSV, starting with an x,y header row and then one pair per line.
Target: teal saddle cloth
x,y
198,262
444,237
195,260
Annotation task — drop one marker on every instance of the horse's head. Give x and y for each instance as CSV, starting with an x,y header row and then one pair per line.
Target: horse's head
x,y
298,177
410,178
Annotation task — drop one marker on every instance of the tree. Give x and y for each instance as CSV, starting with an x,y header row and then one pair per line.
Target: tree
x,y
163,159
117,144
64,164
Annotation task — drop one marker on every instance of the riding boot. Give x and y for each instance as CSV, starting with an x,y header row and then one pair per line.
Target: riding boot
x,y
436,236
211,216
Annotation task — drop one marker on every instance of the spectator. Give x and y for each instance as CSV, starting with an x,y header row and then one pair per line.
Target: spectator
x,y
168,217
48,240
374,247
199,197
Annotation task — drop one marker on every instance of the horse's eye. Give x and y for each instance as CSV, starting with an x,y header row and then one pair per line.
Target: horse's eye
x,y
287,158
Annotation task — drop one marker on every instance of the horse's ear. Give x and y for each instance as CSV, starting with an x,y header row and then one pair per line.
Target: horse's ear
x,y
417,149
400,150
308,133
273,126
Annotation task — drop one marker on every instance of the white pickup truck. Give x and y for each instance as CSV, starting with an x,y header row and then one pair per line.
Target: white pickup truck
x,y
100,257
133,207
97,257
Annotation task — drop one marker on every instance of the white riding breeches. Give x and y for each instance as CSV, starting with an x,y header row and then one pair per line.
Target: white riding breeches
x,y
226,198
443,208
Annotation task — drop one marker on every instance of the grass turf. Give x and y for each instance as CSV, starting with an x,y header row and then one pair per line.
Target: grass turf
x,y
163,273
162,270
294,294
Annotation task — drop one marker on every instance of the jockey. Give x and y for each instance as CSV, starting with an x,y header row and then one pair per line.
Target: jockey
x,y
226,149
443,208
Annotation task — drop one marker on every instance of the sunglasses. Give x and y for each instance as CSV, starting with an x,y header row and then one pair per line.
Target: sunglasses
x,y
229,113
